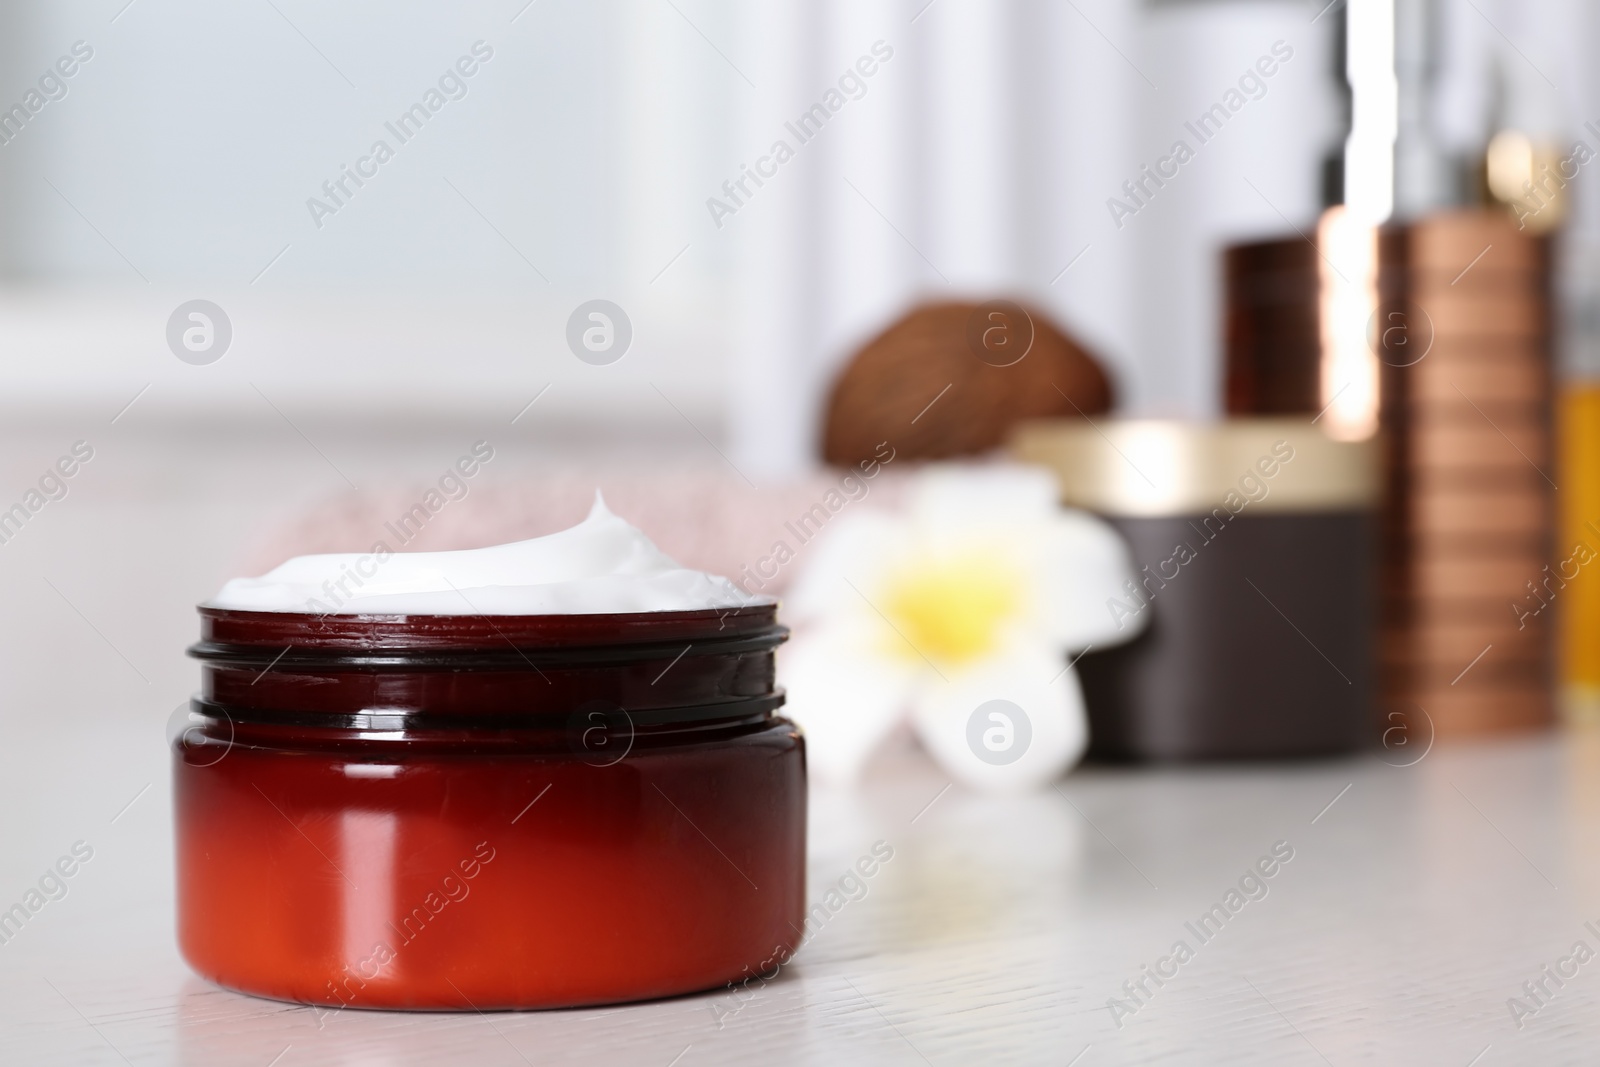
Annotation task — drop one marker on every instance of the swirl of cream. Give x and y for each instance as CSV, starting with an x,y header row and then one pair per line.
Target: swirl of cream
x,y
602,565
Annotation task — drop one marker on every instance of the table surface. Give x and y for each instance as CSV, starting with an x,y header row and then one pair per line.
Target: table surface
x,y
1421,894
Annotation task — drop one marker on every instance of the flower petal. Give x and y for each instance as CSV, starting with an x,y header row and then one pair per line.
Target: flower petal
x,y
1074,563
1082,566
985,494
846,698
1033,731
853,548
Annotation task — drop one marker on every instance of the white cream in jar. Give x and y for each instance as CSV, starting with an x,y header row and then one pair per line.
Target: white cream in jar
x,y
603,565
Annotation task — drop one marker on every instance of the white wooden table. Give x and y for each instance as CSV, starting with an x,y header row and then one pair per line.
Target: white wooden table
x,y
1418,900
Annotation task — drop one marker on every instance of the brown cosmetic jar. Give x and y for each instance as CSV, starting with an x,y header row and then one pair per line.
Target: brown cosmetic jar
x,y
1254,545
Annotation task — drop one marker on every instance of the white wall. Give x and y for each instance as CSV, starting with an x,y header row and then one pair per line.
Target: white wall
x,y
1256,177
180,163
979,161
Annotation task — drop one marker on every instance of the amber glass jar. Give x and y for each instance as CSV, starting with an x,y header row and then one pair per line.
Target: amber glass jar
x,y
472,812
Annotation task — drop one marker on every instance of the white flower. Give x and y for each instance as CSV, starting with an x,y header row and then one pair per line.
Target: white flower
x,y
979,592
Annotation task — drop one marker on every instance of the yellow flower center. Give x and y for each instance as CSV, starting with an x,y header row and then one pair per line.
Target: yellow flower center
x,y
953,608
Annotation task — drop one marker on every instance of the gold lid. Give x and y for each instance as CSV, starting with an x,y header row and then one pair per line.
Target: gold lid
x,y
1172,467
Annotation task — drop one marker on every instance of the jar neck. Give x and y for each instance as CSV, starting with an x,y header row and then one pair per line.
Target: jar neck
x,y
483,671
598,738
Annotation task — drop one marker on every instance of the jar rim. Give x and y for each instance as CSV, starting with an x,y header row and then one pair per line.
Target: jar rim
x,y
225,630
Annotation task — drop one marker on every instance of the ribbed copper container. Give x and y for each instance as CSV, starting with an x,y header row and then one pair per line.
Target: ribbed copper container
x,y
1468,510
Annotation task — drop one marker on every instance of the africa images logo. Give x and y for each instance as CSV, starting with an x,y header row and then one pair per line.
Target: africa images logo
x,y
599,332
199,332
999,732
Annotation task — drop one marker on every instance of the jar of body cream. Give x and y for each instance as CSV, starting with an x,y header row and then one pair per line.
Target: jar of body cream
x,y
1255,602
495,808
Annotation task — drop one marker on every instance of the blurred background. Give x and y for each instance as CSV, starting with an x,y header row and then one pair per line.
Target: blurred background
x,y
269,268
601,151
